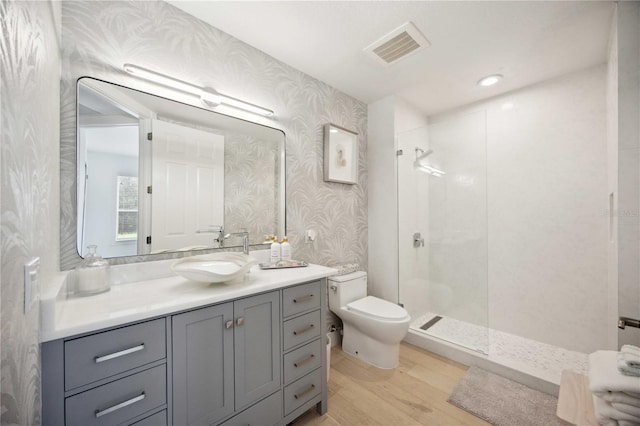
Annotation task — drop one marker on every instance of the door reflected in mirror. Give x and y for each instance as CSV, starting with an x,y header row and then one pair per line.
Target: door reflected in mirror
x,y
156,176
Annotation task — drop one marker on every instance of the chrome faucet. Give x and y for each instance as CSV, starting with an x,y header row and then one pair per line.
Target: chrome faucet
x,y
245,239
214,229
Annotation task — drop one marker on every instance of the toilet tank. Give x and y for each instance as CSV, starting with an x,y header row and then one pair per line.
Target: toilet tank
x,y
348,288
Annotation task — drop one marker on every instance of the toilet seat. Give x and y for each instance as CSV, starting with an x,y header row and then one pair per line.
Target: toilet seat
x,y
378,308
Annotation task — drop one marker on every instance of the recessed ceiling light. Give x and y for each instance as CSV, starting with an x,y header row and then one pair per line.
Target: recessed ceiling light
x,y
489,80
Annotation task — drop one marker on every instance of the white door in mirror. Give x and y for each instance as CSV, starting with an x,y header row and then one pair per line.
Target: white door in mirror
x,y
188,186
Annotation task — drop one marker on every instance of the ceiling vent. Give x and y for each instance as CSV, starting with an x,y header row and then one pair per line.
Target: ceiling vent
x,y
399,43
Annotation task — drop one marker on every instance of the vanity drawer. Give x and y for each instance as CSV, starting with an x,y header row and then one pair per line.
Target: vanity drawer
x,y
157,419
301,391
300,298
303,360
265,413
101,355
118,401
301,329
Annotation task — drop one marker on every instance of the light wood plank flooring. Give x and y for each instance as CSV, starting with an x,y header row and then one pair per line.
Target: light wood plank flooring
x,y
415,393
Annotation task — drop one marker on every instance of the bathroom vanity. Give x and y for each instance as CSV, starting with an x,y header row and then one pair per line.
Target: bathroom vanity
x,y
172,351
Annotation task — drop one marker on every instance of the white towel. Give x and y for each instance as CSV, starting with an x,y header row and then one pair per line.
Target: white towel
x,y
631,355
630,349
605,412
634,410
606,382
627,368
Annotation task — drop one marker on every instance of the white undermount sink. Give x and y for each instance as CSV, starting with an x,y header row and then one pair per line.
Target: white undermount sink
x,y
215,267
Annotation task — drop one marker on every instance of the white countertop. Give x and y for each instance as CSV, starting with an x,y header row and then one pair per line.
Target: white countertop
x,y
63,316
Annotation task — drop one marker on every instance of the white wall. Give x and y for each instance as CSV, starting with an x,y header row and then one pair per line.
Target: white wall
x,y
628,208
100,222
547,201
413,216
386,119
30,134
382,201
457,227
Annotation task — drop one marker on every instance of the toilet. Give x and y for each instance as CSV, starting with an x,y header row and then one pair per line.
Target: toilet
x,y
372,327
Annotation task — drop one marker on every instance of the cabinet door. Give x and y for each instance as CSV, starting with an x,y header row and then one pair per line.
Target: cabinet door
x,y
203,365
257,345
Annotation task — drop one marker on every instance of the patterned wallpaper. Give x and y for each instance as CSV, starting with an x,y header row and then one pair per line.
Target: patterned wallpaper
x,y
251,172
29,190
99,37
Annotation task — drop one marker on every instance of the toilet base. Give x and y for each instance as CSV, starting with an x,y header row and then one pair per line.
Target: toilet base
x,y
369,350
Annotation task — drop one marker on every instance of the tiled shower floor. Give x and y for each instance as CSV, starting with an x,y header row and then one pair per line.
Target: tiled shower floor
x,y
529,356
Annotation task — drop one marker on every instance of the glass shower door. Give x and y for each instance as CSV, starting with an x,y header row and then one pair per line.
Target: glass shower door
x,y
442,230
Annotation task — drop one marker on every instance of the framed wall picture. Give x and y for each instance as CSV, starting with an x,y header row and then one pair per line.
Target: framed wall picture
x,y
340,155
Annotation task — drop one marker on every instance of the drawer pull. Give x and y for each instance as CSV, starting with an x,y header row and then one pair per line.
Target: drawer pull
x,y
304,330
229,324
303,299
296,396
304,361
100,413
119,354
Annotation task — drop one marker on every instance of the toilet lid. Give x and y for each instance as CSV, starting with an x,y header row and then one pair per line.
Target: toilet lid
x,y
375,307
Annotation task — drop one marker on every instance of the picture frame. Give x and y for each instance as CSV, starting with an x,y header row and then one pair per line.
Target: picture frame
x,y
340,155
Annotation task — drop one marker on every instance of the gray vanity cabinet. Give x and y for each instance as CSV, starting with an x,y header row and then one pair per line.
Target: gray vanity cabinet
x,y
225,357
257,347
203,365
255,360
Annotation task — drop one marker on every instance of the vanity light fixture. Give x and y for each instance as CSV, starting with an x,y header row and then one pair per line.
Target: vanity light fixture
x,y
489,80
208,96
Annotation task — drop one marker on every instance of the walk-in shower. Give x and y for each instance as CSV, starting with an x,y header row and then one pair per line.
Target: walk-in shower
x,y
464,286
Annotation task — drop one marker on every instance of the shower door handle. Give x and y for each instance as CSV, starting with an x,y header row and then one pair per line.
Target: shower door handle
x,y
418,241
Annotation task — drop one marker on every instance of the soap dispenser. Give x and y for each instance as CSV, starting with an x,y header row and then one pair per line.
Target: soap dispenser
x,y
92,275
275,250
285,249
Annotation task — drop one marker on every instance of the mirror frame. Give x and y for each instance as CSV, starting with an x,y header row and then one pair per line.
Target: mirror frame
x,y
69,256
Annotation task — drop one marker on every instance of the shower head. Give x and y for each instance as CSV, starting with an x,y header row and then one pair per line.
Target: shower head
x,y
419,165
421,154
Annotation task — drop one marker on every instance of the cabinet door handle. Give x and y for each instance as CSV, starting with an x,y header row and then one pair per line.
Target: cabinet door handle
x,y
303,298
304,330
119,354
304,361
240,321
100,413
229,324
297,396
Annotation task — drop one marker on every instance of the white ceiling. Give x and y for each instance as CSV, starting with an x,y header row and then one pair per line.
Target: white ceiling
x,y
526,41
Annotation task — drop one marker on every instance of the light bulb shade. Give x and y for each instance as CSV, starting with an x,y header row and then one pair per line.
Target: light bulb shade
x,y
245,106
165,80
208,96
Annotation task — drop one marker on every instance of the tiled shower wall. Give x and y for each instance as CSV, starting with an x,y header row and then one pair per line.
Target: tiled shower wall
x,y
30,199
546,196
99,37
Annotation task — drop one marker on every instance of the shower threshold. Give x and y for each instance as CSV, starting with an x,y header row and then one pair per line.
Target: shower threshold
x,y
536,364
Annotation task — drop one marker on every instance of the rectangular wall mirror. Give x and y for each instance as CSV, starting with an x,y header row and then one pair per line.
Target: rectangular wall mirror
x,y
156,176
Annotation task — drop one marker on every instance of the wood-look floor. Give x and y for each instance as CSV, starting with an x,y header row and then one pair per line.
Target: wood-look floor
x,y
415,393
